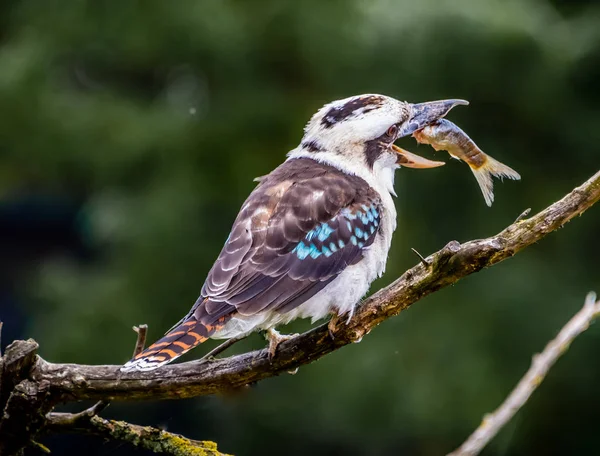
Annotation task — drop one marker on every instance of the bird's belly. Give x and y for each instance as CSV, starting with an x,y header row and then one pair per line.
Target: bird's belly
x,y
340,296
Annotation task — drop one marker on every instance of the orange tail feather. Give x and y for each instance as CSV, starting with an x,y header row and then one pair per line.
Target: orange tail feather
x,y
175,343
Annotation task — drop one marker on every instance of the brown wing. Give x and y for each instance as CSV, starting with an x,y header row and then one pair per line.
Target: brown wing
x,y
300,228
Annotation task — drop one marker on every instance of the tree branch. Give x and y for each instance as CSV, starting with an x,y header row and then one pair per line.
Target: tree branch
x,y
69,382
149,438
541,364
20,397
145,437
31,386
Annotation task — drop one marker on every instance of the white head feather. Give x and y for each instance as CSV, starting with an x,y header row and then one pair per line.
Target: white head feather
x,y
353,121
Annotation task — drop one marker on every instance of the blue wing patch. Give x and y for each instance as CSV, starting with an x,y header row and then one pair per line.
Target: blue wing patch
x,y
354,226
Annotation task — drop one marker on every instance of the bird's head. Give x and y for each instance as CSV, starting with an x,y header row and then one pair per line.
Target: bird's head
x,y
362,129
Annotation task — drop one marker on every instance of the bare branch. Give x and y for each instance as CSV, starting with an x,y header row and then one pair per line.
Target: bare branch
x,y
75,419
145,437
31,386
69,382
19,396
541,364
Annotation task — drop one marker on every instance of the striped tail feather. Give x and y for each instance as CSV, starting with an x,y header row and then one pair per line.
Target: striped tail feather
x,y
175,343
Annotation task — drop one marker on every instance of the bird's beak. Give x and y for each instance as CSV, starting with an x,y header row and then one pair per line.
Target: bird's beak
x,y
410,160
423,114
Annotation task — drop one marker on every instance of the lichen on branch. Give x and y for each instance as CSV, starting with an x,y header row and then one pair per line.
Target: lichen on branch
x,y
146,437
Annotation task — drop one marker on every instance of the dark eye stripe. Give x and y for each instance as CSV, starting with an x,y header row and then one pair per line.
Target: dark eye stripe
x,y
349,110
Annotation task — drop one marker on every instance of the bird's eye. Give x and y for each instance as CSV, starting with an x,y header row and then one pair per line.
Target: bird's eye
x,y
392,131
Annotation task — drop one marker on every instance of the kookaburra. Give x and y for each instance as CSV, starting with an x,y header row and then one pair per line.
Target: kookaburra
x,y
313,234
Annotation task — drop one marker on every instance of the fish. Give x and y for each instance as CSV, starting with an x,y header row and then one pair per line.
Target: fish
x,y
445,135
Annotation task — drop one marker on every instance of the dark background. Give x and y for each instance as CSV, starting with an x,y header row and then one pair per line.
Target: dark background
x,y
130,133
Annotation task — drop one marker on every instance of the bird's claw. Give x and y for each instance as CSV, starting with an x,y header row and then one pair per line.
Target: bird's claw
x,y
275,338
332,326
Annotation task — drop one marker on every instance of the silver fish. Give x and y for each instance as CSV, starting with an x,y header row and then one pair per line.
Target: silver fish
x,y
444,135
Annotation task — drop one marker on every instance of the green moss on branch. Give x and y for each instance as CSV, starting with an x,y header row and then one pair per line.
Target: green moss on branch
x,y
146,437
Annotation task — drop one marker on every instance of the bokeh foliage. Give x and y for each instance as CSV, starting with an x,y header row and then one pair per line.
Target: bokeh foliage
x,y
152,118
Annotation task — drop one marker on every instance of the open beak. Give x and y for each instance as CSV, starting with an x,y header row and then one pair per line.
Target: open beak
x,y
423,114
410,160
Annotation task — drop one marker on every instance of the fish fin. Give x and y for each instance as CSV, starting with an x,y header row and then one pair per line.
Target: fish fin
x,y
484,173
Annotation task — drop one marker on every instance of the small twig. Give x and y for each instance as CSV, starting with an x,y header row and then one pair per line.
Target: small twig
x,y
140,343
221,348
39,446
423,260
76,419
524,214
540,366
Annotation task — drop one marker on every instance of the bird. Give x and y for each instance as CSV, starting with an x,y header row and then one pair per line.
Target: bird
x,y
313,234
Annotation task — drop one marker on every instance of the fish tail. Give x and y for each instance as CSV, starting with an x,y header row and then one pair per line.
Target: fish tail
x,y
172,345
483,174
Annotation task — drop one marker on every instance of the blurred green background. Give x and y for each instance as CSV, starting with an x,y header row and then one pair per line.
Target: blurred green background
x,y
130,133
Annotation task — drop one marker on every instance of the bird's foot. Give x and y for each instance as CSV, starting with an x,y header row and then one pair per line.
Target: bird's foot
x,y
275,338
332,325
